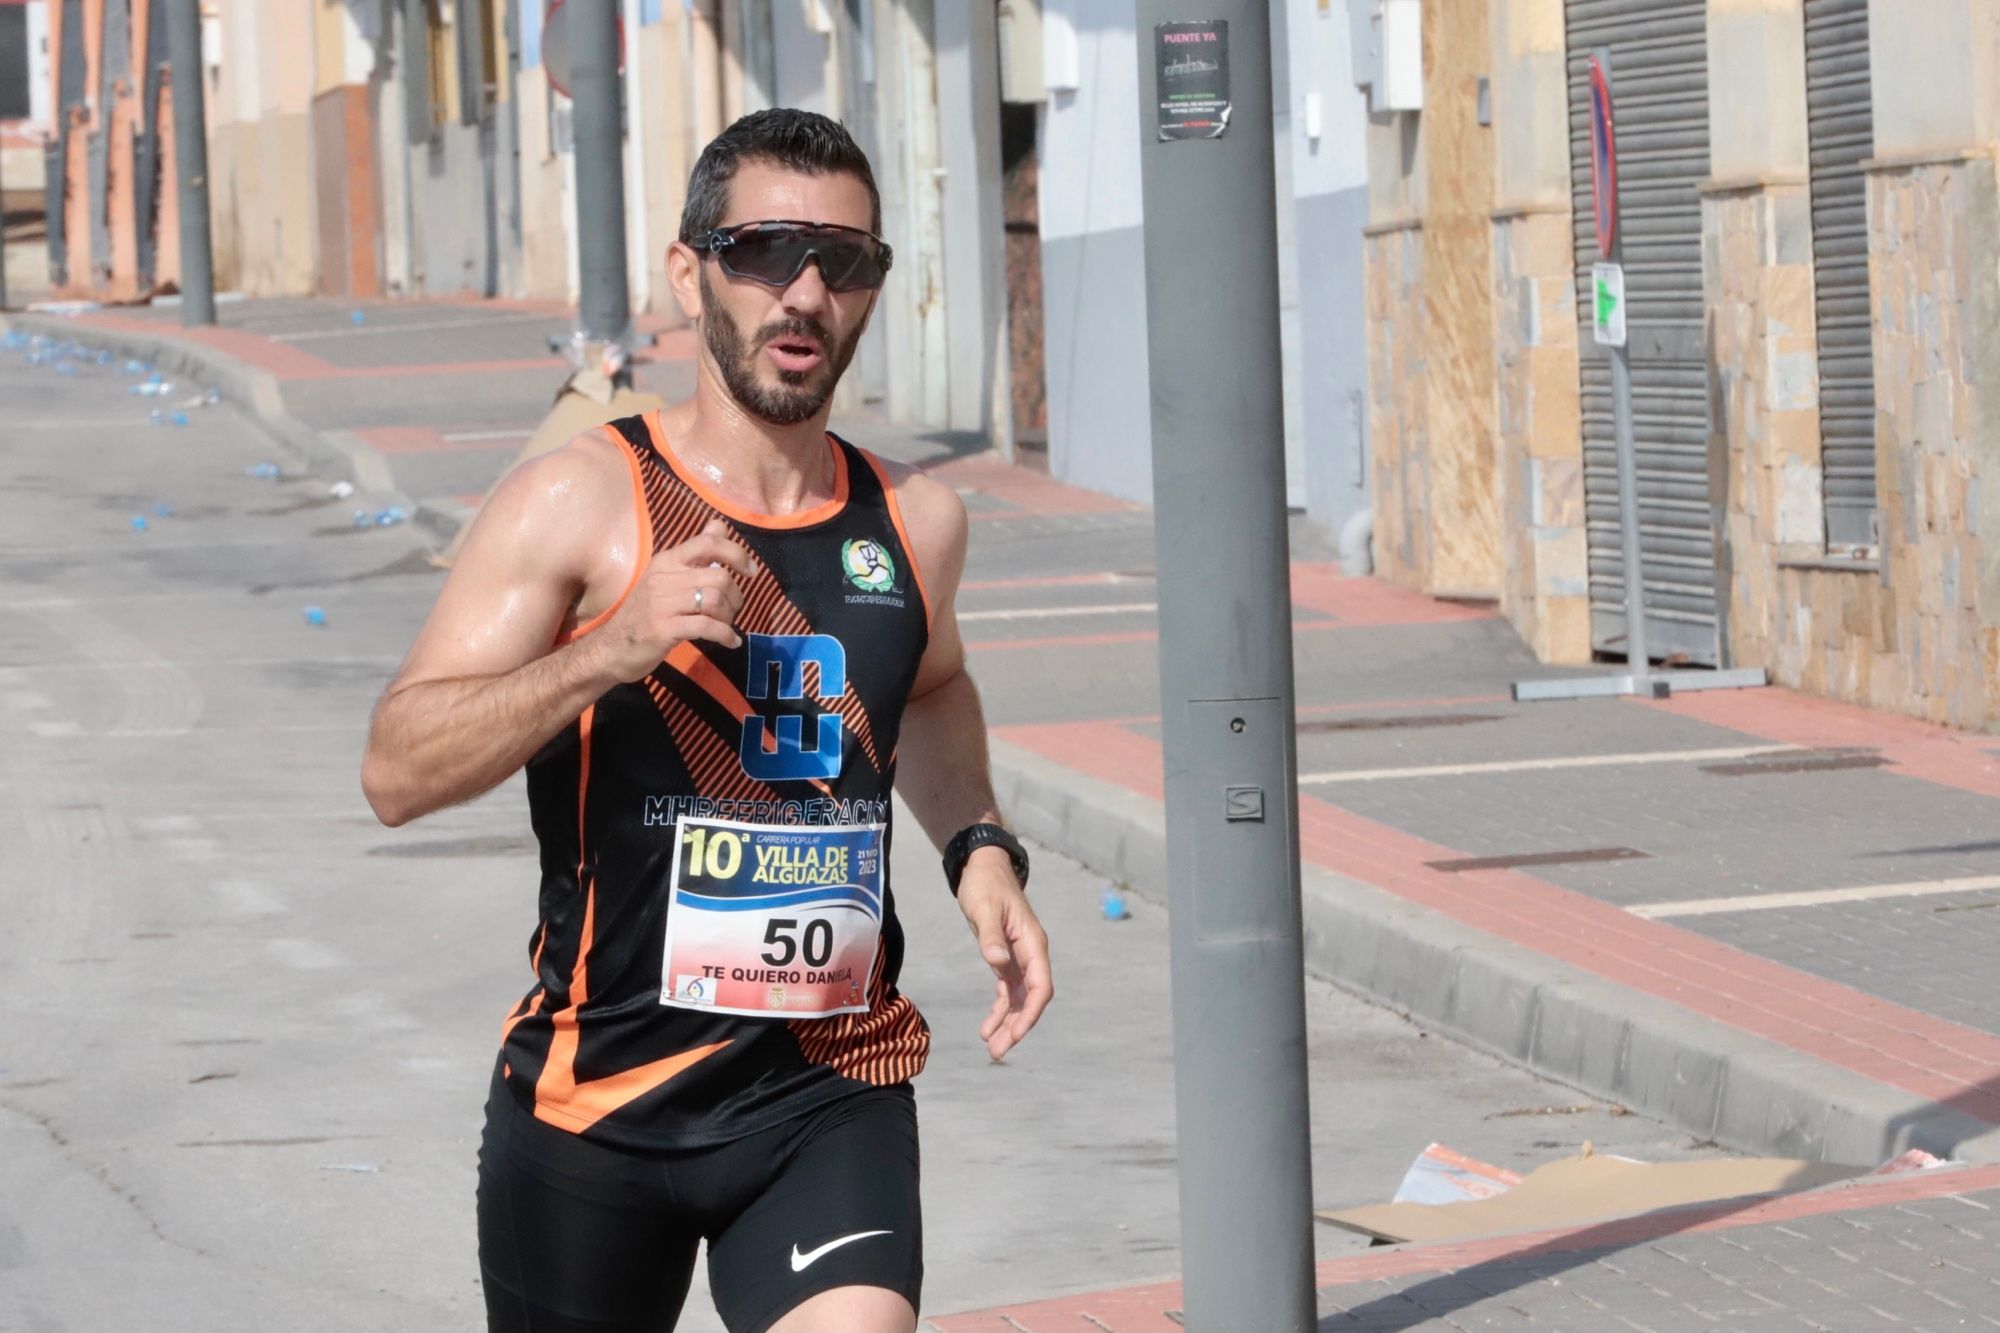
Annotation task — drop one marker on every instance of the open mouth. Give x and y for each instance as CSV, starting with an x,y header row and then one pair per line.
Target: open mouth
x,y
794,352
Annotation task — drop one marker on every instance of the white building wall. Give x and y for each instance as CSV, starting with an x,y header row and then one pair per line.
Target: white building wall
x,y
1093,260
1329,171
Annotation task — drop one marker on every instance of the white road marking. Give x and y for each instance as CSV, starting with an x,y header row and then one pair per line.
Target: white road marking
x,y
96,423
353,724
358,330
470,436
1050,612
306,955
1766,902
302,659
1537,765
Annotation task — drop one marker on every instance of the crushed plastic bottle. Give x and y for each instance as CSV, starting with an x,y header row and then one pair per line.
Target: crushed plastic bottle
x,y
390,517
211,398
1112,903
15,340
264,471
357,317
137,367
178,419
161,509
157,417
315,616
139,523
363,519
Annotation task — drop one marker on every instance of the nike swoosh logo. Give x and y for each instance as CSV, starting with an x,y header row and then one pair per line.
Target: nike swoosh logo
x,y
801,1262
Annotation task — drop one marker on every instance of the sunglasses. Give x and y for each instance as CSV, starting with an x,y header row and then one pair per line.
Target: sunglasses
x,y
774,253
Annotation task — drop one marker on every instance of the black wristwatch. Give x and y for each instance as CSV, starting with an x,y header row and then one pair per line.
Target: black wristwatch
x,y
970,839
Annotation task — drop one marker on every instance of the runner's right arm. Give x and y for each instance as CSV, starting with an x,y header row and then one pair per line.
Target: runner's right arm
x,y
483,689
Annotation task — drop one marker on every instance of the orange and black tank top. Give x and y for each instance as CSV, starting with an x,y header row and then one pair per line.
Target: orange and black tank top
x,y
590,1048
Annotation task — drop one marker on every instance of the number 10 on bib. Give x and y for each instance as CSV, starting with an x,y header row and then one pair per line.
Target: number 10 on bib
x,y
772,921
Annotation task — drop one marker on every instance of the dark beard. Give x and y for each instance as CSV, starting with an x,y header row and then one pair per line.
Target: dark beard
x,y
801,394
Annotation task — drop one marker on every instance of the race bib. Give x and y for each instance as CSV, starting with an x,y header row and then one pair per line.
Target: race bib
x,y
773,921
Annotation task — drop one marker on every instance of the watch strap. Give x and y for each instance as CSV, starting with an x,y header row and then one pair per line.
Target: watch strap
x,y
970,839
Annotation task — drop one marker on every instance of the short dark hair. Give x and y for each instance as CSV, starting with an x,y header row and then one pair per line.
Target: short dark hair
x,y
797,140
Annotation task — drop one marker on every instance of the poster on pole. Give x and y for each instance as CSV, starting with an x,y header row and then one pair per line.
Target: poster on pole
x,y
1607,306
1192,62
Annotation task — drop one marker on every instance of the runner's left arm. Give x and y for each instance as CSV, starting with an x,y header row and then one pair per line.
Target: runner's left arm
x,y
947,783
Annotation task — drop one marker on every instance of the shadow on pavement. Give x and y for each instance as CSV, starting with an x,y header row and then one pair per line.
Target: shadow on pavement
x,y
1943,1126
1447,1293
1939,1127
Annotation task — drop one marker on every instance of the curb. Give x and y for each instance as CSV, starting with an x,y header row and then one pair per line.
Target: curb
x,y
1621,1045
337,455
441,518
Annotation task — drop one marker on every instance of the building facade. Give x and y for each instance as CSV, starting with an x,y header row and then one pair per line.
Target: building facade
x,y
381,148
1092,235
1807,207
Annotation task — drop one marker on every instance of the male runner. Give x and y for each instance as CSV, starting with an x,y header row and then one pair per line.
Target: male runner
x,y
712,635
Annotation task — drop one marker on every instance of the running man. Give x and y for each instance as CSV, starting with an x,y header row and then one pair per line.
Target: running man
x,y
713,634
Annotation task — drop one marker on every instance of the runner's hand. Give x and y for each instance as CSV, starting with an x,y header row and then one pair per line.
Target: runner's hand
x,y
660,612
1013,944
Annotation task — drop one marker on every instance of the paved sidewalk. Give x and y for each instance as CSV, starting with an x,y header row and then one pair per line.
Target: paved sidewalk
x,y
1912,1252
1769,919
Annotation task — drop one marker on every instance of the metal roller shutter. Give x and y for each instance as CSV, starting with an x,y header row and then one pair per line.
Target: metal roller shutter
x,y
1659,66
1840,127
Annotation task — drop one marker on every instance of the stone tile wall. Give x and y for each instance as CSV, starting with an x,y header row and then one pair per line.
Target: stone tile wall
x,y
1545,588
1914,636
1398,392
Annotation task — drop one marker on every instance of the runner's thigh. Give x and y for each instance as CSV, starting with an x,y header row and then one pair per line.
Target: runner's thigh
x,y
574,1237
844,1210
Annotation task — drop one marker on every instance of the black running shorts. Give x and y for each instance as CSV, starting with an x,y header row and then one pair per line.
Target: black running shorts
x,y
575,1237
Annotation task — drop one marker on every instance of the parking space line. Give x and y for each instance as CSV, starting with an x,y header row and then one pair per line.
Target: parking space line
x,y
1046,612
1055,581
1861,893
1536,765
474,322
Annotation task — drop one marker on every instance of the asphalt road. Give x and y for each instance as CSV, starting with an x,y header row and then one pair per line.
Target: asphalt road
x,y
247,1031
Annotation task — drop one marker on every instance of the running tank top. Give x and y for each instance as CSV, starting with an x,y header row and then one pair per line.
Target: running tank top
x,y
591,1048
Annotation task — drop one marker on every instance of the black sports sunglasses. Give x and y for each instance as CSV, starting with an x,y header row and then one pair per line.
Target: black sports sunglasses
x,y
774,252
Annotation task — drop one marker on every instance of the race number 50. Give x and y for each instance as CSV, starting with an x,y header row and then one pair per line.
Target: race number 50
x,y
716,853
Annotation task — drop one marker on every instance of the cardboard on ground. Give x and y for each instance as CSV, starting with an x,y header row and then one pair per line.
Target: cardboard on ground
x,y
1587,1189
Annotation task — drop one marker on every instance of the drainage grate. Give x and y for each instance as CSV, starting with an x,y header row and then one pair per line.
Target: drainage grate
x,y
1406,723
1810,761
1578,857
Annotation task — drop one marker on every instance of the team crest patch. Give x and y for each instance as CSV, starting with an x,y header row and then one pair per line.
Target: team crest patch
x,y
867,565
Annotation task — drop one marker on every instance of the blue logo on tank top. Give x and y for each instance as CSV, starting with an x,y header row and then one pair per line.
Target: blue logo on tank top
x,y
786,655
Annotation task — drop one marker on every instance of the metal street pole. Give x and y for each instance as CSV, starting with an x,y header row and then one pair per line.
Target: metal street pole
x,y
191,162
605,300
1209,193
3,232
1638,663
1610,330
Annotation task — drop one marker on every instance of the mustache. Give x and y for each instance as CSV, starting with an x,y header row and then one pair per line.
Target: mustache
x,y
796,326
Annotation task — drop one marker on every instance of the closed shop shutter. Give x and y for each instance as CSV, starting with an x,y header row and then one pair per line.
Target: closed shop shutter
x,y
1659,66
1841,129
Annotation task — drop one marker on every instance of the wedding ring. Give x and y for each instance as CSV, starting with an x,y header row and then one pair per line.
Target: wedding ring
x,y
697,599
